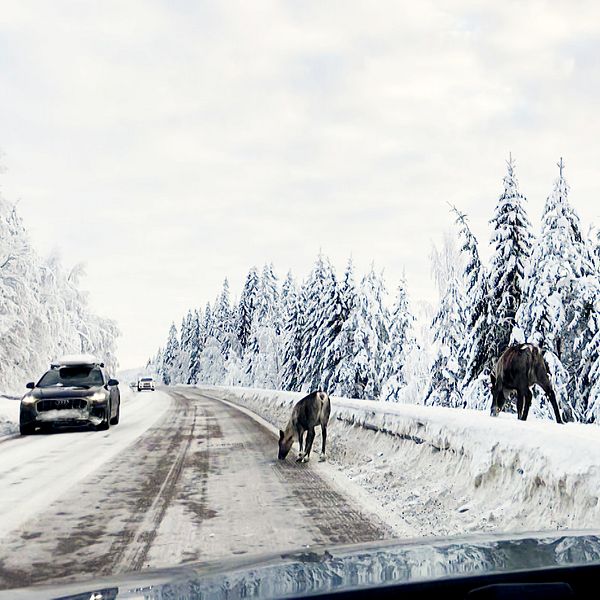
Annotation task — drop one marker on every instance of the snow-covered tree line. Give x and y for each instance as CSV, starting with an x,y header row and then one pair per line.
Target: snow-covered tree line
x,y
540,289
328,332
338,333
43,313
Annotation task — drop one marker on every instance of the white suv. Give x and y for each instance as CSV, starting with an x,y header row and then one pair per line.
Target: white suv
x,y
145,383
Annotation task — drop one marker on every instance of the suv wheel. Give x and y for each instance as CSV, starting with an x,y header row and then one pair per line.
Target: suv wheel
x,y
106,421
115,419
27,429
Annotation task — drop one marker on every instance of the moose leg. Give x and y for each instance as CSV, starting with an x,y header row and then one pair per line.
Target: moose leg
x,y
324,436
310,436
300,433
552,398
520,400
544,382
527,405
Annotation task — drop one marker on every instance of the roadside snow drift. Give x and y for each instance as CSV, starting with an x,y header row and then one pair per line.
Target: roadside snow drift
x,y
440,471
9,415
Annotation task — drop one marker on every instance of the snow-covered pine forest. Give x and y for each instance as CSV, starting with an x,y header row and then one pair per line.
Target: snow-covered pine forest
x,y
342,333
43,312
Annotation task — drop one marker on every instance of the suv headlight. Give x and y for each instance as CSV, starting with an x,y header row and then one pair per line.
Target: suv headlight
x,y
97,397
28,399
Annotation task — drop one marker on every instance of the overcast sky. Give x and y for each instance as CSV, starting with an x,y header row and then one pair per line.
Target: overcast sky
x,y
171,144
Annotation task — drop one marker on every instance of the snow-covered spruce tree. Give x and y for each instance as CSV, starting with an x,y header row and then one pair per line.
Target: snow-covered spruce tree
x,y
211,362
233,365
208,324
587,378
474,352
511,241
155,365
363,340
232,351
555,312
170,357
246,308
212,365
196,347
323,322
339,355
448,325
288,296
595,243
224,321
293,326
339,348
401,344
420,357
264,353
476,291
589,375
583,319
185,348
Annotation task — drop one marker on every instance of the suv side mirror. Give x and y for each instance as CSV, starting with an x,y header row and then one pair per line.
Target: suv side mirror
x,y
112,382
30,385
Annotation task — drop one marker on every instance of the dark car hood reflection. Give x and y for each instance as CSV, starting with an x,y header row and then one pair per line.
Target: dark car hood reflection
x,y
322,570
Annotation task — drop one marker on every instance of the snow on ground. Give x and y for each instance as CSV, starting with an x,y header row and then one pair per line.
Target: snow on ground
x,y
9,414
442,471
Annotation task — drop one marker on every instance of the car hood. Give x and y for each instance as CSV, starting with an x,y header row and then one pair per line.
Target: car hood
x,y
322,570
64,392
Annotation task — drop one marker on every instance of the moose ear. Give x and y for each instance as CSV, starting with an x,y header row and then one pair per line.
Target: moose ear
x,y
281,434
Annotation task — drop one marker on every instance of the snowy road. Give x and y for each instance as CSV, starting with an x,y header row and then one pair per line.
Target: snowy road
x,y
183,477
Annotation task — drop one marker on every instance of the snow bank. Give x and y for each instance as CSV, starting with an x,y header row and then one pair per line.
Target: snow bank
x,y
9,415
445,471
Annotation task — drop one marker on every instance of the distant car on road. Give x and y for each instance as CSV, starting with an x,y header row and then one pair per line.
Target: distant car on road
x,y
145,383
75,391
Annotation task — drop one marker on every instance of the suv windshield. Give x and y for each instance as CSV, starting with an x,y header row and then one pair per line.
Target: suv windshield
x,y
79,376
146,379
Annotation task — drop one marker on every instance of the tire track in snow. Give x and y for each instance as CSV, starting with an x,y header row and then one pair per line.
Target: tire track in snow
x,y
133,556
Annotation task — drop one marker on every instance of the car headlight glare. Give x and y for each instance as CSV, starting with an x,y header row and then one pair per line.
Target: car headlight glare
x,y
28,399
97,397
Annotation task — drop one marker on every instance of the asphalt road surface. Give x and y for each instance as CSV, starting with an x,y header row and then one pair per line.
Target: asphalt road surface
x,y
184,477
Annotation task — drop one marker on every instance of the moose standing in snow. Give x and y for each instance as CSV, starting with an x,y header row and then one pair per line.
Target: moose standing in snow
x,y
309,412
517,370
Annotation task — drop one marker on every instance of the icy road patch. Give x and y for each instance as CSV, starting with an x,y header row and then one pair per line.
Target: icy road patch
x,y
441,471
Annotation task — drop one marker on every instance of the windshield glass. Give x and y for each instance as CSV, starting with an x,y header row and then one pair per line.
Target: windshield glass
x,y
146,379
79,376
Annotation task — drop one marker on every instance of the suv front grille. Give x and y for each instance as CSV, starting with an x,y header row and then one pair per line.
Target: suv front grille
x,y
61,404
